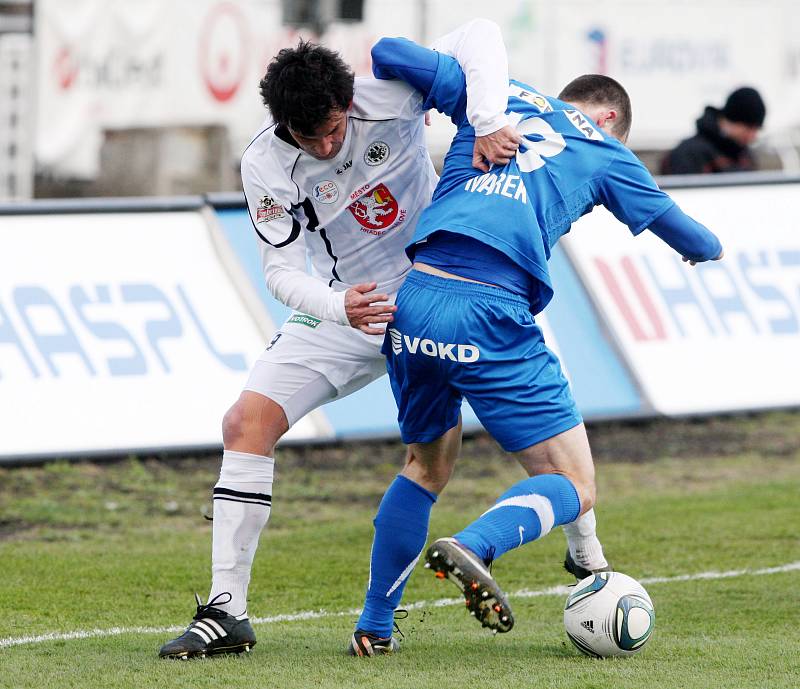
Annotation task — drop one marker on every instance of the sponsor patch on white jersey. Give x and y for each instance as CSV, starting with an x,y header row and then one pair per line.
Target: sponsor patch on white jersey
x,y
269,209
326,191
377,153
305,319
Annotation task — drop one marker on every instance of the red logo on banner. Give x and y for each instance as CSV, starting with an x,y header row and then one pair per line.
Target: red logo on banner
x,y
223,51
642,331
66,67
375,210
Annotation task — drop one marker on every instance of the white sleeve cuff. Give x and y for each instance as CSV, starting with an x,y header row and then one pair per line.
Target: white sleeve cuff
x,y
336,308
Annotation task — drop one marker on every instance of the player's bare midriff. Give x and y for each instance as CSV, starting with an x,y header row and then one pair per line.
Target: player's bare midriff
x,y
425,268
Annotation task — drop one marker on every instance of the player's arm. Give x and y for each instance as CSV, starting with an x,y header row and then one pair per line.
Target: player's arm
x,y
283,260
692,240
289,282
629,191
283,257
481,53
473,83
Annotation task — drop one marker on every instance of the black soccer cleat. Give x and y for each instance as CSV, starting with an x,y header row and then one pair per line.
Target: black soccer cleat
x,y
212,632
363,644
579,572
485,599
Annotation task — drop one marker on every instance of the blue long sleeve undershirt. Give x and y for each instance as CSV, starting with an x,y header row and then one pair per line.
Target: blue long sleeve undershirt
x,y
685,235
399,58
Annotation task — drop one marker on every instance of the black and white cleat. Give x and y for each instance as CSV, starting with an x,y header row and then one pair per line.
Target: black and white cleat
x,y
579,572
212,632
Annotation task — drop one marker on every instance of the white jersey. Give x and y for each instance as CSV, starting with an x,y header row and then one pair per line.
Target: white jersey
x,y
354,213
351,217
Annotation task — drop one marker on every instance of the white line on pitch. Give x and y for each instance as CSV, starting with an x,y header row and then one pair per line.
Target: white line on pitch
x,y
318,614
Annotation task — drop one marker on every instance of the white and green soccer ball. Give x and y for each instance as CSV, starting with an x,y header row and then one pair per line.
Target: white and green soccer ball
x,y
609,614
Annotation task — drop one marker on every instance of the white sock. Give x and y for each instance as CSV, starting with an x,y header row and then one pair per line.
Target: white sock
x,y
242,501
583,544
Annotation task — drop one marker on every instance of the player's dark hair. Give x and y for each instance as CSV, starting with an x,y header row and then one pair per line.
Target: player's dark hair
x,y
303,86
598,89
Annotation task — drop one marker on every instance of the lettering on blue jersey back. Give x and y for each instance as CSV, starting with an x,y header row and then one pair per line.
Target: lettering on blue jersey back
x,y
583,124
530,96
510,186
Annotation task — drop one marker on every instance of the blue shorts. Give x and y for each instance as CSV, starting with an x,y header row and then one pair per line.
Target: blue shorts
x,y
452,339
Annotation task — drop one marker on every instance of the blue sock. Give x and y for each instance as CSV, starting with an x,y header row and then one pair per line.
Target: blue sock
x,y
525,512
401,529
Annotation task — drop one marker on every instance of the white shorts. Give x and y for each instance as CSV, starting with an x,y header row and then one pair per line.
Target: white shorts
x,y
310,362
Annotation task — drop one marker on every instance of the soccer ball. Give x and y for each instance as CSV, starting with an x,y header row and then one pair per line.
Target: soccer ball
x,y
609,614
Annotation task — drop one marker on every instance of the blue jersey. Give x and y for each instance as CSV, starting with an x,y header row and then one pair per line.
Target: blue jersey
x,y
564,168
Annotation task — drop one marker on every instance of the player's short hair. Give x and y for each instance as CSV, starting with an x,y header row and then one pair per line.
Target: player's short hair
x,y
304,85
598,89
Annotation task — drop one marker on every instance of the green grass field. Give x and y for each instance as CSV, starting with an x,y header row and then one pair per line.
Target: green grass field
x,y
113,552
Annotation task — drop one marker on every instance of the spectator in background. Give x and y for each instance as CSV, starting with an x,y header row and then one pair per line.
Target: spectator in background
x,y
723,139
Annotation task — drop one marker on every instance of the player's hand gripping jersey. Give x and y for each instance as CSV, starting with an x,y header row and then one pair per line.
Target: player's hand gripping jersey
x,y
354,214
564,168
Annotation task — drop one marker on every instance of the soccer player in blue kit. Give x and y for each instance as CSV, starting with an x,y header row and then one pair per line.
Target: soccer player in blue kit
x,y
465,325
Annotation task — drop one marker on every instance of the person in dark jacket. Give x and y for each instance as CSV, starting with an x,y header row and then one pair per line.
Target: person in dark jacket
x,y
723,139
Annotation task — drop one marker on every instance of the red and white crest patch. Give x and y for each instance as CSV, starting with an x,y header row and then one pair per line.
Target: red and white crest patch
x,y
268,209
376,210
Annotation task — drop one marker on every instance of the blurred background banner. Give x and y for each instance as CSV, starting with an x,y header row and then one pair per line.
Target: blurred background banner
x,y
144,349
672,57
107,69
112,65
722,336
108,65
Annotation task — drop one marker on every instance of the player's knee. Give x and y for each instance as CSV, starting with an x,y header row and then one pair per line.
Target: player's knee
x,y
254,424
433,475
233,425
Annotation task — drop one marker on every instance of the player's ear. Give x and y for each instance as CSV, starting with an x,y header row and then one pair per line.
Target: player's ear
x,y
349,105
606,119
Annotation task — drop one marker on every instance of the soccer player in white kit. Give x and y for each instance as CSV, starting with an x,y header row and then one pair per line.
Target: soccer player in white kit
x,y
336,179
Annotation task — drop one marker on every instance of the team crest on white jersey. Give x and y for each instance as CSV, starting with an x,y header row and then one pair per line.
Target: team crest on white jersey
x,y
377,153
376,210
268,209
326,191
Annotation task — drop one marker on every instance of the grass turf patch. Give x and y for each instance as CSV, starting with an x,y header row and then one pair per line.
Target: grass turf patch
x,y
95,546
